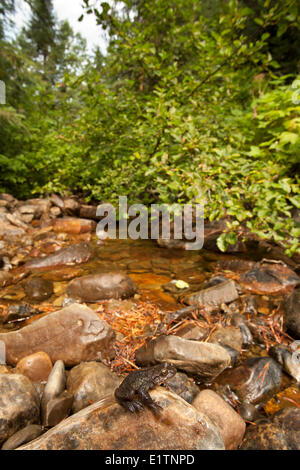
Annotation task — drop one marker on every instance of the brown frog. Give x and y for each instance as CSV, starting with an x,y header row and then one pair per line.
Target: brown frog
x,y
133,394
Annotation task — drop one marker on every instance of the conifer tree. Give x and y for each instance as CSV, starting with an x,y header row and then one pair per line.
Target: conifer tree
x,y
41,29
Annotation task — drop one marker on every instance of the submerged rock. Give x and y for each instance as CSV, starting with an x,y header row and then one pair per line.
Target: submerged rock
x,y
205,360
255,380
269,279
287,398
89,382
97,287
19,404
69,256
107,425
291,309
73,334
170,243
232,427
224,292
281,432
38,289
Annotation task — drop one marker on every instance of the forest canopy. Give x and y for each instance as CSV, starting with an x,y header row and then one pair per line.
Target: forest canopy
x,y
193,101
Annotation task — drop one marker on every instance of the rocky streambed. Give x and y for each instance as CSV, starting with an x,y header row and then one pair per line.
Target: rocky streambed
x,y
78,314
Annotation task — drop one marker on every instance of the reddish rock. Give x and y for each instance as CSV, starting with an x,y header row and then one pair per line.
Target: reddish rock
x,y
106,425
74,225
73,334
269,279
232,427
36,367
255,380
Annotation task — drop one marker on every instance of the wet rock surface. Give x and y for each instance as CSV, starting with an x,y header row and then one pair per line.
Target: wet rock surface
x,y
204,360
255,380
37,367
291,308
74,254
232,427
102,287
19,404
282,432
269,279
74,334
57,409
216,295
102,427
38,289
241,308
17,313
89,382
55,386
228,336
183,386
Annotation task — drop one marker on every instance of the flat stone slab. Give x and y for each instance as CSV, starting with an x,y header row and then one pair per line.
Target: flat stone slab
x,y
73,335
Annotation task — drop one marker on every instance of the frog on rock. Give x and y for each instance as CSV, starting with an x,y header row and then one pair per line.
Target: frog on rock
x,y
133,394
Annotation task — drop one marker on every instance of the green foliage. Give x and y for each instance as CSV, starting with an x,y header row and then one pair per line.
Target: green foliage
x,y
188,105
41,29
6,7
